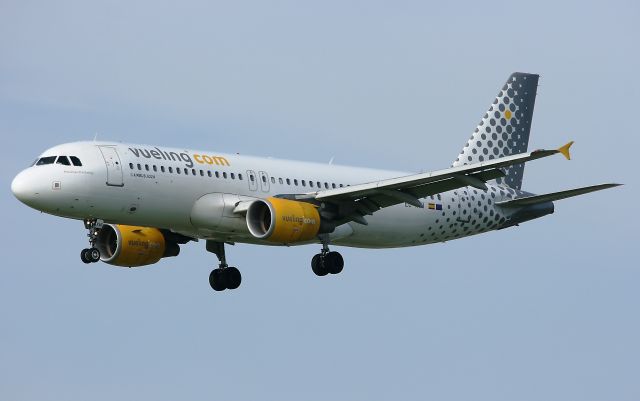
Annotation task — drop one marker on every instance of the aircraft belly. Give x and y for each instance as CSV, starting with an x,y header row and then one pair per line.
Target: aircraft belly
x,y
395,226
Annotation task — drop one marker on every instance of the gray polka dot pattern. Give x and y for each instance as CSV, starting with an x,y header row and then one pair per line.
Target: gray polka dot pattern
x,y
465,212
504,129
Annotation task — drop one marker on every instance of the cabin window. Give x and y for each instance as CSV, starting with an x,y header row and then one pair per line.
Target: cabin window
x,y
273,180
217,174
178,171
186,171
264,179
288,181
311,184
209,173
171,170
240,177
295,182
155,168
280,181
146,167
224,175
63,160
333,185
326,185
303,182
162,168
341,185
201,173
193,171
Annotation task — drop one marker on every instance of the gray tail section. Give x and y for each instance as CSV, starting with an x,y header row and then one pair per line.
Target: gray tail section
x,y
504,129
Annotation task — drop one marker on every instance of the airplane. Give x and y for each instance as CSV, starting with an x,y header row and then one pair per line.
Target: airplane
x,y
139,203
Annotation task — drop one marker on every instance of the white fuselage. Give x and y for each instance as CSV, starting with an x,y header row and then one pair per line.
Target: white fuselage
x,y
158,187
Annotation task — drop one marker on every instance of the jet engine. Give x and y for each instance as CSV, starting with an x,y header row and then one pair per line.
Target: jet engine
x,y
284,221
133,246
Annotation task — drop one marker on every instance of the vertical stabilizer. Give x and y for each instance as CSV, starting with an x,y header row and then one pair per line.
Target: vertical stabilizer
x,y
504,129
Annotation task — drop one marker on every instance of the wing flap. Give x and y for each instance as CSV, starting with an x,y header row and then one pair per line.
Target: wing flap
x,y
536,199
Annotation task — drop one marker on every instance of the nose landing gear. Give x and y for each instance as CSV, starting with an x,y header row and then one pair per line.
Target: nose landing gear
x,y
224,277
327,262
92,254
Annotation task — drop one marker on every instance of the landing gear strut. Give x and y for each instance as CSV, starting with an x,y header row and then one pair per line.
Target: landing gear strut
x,y
224,277
327,262
92,254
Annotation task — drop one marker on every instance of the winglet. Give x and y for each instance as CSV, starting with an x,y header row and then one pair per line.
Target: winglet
x,y
565,150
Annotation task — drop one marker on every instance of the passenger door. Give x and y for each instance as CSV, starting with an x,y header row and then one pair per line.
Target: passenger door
x,y
114,166
264,181
253,180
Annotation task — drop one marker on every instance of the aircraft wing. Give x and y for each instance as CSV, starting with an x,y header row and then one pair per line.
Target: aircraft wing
x,y
364,199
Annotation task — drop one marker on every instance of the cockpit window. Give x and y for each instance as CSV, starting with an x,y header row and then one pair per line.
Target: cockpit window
x,y
63,160
46,160
75,161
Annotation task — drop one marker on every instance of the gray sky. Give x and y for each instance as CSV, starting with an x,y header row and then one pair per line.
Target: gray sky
x,y
548,310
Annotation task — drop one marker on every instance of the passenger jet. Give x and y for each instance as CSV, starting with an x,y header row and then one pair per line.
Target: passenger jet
x,y
139,203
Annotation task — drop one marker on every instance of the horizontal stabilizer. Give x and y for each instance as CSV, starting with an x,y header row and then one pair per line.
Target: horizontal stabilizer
x,y
536,199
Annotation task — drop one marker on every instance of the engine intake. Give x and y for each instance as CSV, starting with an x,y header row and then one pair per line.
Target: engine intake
x,y
133,246
283,221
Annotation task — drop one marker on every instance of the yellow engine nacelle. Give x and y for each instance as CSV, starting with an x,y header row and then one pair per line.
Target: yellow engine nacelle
x,y
133,246
282,220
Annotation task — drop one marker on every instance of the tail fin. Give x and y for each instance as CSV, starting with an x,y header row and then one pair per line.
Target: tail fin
x,y
504,129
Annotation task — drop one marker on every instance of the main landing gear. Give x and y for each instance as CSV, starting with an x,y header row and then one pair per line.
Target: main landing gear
x,y
224,277
92,254
327,262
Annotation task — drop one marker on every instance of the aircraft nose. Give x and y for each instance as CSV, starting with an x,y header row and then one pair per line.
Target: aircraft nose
x,y
21,188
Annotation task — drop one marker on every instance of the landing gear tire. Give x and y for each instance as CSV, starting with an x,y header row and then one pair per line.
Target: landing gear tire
x,y
232,278
216,280
90,255
333,262
84,256
227,278
318,266
93,255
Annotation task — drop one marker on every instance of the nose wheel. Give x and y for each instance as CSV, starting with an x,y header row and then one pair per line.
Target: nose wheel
x,y
92,254
327,262
224,277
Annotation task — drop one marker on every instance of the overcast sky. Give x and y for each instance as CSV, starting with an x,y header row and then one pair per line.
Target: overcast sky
x,y
547,310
